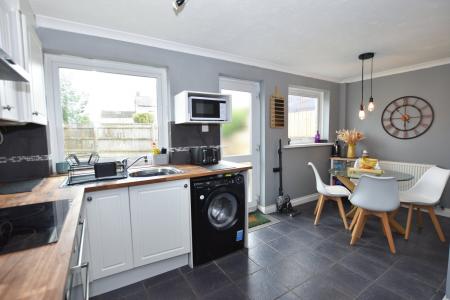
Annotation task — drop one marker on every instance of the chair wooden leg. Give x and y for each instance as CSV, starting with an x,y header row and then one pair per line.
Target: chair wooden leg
x,y
319,209
358,227
419,218
409,221
360,231
436,224
317,205
387,229
342,212
355,218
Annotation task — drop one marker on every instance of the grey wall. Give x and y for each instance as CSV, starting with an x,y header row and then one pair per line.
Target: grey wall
x,y
433,147
190,72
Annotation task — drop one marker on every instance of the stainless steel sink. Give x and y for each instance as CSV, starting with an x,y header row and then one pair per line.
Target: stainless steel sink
x,y
155,171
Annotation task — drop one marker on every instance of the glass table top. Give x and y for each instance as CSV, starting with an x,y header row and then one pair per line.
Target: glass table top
x,y
399,176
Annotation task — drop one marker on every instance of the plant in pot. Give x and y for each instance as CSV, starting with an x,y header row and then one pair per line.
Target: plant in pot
x,y
351,138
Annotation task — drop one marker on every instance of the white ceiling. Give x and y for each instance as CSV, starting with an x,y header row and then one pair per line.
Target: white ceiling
x,y
320,38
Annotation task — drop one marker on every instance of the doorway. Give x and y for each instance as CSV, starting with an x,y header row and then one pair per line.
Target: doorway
x,y
241,138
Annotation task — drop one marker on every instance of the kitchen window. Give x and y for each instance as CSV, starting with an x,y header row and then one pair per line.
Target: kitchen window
x,y
304,114
117,110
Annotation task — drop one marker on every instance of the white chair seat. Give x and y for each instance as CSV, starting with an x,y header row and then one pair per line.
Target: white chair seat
x,y
336,191
420,199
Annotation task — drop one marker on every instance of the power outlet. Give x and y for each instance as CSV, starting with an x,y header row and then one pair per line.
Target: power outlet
x,y
205,128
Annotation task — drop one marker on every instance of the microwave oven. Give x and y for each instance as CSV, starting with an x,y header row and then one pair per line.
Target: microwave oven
x,y
196,107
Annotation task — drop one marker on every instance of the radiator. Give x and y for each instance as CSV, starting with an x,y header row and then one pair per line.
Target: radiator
x,y
414,169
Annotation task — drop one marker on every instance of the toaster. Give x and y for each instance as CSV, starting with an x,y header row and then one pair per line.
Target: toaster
x,y
205,155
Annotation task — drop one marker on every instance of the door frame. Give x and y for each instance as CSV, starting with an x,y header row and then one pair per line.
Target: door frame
x,y
253,87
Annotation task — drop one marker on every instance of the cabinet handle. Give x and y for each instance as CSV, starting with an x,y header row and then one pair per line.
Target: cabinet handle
x,y
8,107
89,199
35,113
185,186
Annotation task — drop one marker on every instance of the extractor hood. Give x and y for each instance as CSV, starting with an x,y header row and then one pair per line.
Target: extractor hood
x,y
9,70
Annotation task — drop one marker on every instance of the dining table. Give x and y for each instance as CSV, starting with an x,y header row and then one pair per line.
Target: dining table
x,y
348,177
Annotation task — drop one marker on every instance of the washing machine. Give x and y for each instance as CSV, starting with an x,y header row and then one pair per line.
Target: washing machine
x,y
218,216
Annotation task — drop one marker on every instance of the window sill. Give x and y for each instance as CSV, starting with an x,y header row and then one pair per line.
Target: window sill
x,y
307,145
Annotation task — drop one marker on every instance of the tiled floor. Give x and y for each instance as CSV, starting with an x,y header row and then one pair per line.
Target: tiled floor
x,y
296,260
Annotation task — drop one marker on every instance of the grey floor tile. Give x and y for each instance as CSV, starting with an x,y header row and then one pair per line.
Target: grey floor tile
x,y
305,237
155,280
348,281
376,292
323,230
286,245
261,286
407,287
343,238
266,234
229,292
253,241
420,271
171,289
142,295
312,261
289,273
205,280
362,265
289,296
284,227
237,265
331,250
264,255
378,254
318,288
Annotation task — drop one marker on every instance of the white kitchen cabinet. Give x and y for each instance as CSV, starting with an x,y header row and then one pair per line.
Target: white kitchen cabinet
x,y
22,102
160,221
109,232
38,106
8,89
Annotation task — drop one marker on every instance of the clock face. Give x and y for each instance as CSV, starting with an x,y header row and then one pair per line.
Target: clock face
x,y
407,117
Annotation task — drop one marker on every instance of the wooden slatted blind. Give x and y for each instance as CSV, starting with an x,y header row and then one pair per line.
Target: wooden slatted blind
x,y
277,104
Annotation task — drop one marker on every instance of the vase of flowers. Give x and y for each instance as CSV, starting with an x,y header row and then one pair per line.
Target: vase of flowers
x,y
351,138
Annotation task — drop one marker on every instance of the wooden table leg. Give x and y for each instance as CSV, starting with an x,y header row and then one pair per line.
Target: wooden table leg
x,y
351,186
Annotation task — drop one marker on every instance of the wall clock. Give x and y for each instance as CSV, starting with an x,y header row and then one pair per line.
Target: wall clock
x,y
407,117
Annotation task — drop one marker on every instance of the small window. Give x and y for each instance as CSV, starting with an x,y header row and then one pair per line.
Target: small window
x,y
304,114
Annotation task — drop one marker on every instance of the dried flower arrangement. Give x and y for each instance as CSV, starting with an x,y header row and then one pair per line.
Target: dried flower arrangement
x,y
350,137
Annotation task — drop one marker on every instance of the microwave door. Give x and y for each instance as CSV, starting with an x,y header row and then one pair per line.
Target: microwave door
x,y
205,109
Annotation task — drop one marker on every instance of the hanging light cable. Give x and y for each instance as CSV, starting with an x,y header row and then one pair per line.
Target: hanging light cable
x,y
362,113
371,105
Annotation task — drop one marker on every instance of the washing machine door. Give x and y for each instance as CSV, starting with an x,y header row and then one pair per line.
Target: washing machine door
x,y
222,210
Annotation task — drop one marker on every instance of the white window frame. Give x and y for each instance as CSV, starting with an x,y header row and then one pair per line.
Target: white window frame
x,y
315,93
52,64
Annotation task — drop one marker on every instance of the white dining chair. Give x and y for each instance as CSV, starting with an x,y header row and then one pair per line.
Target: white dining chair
x,y
375,196
425,194
329,192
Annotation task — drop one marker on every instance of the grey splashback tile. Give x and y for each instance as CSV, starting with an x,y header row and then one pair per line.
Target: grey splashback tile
x,y
184,136
24,153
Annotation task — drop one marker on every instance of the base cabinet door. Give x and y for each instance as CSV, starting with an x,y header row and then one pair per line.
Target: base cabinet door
x,y
160,218
109,232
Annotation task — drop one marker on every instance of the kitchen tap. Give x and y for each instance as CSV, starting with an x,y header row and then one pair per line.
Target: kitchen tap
x,y
127,166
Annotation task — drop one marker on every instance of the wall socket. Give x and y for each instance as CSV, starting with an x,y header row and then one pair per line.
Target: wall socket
x,y
205,128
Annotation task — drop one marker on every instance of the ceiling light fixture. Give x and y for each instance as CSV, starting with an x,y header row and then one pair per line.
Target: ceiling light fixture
x,y
178,5
362,112
371,105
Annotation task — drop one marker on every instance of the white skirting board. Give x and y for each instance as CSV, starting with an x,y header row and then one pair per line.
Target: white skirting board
x,y
297,201
313,197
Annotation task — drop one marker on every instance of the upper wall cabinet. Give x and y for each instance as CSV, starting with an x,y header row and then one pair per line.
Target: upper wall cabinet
x,y
21,102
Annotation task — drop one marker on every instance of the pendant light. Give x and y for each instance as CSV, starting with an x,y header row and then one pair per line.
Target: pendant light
x,y
371,105
362,112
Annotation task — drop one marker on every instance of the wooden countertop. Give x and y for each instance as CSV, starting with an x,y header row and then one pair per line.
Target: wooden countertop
x,y
40,273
